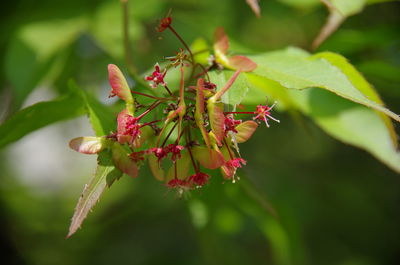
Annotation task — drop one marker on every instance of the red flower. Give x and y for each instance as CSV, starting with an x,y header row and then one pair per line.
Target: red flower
x,y
132,127
263,113
137,156
128,127
164,24
236,162
175,150
159,152
157,77
199,179
230,123
178,183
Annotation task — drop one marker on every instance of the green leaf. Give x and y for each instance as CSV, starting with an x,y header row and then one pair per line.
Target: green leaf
x,y
114,175
261,86
370,2
301,3
296,69
361,84
40,115
347,121
102,119
92,191
33,51
348,8
351,123
236,92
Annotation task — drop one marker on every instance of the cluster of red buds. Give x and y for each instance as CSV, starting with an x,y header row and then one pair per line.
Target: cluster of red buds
x,y
182,136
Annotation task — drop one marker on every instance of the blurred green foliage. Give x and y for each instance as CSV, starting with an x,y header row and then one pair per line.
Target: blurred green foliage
x,y
331,203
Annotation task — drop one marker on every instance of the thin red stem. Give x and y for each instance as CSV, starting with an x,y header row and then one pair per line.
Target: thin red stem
x,y
169,91
229,150
179,136
175,170
182,41
152,106
146,95
205,71
188,140
149,123
168,135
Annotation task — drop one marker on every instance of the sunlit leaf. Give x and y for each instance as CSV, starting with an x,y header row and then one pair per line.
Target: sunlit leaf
x,y
361,84
236,92
296,69
347,121
260,87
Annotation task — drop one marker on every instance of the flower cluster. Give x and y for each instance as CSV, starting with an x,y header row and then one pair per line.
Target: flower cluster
x,y
193,133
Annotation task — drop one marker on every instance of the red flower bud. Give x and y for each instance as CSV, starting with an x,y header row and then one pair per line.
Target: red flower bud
x,y
164,24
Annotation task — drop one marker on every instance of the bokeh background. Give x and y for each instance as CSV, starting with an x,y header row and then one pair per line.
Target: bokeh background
x,y
333,204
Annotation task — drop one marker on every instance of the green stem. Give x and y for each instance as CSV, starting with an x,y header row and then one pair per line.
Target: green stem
x,y
128,52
